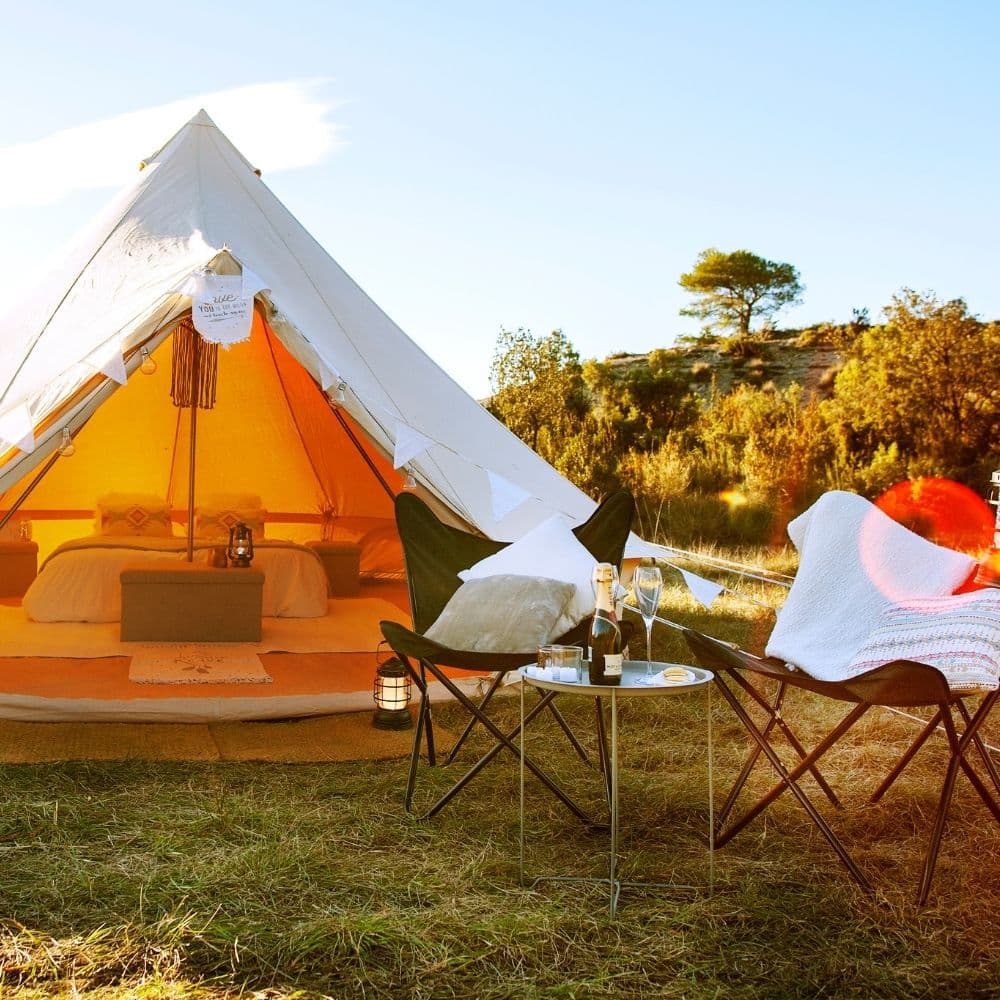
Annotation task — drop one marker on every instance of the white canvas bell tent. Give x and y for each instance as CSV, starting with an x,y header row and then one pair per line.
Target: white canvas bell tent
x,y
311,409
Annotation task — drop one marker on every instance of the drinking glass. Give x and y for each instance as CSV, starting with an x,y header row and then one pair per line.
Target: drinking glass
x,y
546,662
647,583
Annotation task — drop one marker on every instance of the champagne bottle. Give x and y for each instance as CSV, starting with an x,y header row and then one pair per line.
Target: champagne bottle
x,y
605,635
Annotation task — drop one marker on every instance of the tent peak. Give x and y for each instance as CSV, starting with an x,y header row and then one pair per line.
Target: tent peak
x,y
202,118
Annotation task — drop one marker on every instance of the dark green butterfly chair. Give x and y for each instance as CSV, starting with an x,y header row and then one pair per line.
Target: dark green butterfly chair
x,y
435,553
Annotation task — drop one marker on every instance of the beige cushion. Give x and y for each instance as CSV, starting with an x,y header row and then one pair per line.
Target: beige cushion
x,y
133,514
502,614
213,519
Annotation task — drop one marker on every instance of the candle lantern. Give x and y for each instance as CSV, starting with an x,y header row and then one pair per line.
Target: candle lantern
x,y
392,695
240,548
988,574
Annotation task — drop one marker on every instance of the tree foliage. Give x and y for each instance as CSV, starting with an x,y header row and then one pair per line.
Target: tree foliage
x,y
916,396
926,383
731,289
538,389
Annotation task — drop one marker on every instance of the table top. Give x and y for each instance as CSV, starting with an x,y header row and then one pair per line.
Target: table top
x,y
633,674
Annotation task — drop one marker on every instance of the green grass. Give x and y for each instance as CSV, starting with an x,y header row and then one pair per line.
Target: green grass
x,y
193,880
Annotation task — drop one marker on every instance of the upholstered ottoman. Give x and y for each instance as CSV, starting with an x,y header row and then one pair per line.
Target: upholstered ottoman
x,y
18,567
342,561
184,602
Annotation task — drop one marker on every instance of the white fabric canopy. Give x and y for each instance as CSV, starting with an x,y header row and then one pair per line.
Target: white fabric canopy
x,y
198,205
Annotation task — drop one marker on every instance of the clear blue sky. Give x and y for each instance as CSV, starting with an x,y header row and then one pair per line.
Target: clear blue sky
x,y
556,164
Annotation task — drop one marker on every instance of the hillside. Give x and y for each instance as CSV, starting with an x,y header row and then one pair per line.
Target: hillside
x,y
784,359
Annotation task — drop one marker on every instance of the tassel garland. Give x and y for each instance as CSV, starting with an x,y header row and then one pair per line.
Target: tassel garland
x,y
195,368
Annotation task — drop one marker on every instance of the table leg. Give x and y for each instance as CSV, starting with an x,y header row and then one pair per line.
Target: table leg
x,y
711,794
612,872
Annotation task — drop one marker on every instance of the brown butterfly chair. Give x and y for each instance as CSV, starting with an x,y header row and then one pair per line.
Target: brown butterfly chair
x,y
901,684
435,553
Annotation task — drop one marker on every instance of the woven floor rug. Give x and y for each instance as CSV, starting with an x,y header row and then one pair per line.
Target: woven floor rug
x,y
295,741
196,663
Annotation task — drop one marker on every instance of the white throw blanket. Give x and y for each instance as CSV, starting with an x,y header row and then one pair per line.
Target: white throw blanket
x,y
855,563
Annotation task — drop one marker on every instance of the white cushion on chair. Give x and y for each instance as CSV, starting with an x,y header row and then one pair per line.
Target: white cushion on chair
x,y
551,551
502,614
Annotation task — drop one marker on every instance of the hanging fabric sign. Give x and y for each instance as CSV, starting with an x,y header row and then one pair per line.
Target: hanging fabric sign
x,y
504,495
222,304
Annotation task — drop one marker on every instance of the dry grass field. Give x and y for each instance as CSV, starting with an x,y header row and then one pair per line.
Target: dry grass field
x,y
201,880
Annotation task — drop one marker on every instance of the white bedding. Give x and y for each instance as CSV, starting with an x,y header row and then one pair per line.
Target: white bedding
x,y
80,581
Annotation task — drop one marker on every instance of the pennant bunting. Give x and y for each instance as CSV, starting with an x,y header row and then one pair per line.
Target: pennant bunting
x,y
505,496
704,591
328,378
17,430
409,443
112,364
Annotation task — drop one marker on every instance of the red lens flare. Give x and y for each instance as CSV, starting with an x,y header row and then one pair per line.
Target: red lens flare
x,y
942,511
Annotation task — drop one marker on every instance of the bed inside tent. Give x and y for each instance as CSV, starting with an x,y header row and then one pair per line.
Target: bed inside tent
x,y
273,434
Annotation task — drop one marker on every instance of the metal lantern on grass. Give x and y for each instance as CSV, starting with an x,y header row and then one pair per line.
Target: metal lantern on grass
x,y
240,548
392,695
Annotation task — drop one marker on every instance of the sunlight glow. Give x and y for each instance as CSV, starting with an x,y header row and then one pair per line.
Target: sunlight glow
x,y
733,499
277,126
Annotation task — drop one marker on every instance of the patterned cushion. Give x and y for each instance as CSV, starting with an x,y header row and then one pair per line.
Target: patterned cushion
x,y
133,514
502,614
224,511
959,635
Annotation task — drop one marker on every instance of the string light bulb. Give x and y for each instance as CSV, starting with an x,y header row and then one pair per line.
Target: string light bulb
x,y
339,394
410,482
148,366
66,447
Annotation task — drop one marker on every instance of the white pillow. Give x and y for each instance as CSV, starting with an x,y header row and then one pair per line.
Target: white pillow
x,y
550,550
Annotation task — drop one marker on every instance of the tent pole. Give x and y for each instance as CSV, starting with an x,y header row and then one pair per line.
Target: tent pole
x,y
4,518
364,454
191,454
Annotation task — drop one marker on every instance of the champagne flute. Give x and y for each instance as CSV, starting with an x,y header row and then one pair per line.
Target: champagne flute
x,y
647,583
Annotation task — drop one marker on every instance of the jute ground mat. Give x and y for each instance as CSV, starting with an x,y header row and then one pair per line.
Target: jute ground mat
x,y
295,741
46,742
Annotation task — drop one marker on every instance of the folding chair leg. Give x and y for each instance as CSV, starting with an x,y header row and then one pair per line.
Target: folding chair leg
x,y
773,709
971,735
411,777
959,747
789,780
570,735
471,724
944,804
750,762
494,686
911,751
504,741
423,721
984,753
